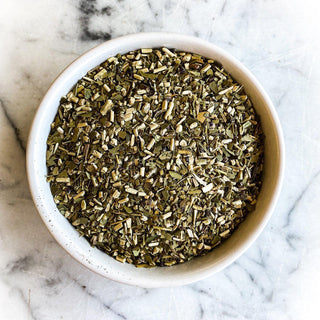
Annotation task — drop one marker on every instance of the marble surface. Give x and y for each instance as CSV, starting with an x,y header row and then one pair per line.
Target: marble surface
x,y
279,276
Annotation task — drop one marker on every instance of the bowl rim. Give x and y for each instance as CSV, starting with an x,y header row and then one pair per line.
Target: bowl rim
x,y
117,42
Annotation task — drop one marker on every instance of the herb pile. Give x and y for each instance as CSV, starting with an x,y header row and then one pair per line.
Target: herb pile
x,y
155,156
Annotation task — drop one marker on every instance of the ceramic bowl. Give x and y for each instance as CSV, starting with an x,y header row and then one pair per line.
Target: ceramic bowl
x,y
199,267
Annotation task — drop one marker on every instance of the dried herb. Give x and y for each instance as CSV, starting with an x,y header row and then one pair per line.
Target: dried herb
x,y
155,156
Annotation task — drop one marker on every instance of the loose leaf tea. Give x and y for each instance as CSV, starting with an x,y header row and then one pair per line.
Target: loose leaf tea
x,y
155,156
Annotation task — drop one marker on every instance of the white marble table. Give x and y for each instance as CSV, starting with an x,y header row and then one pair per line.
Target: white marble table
x,y
279,277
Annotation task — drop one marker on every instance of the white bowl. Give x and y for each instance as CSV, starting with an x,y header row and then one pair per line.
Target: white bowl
x,y
100,262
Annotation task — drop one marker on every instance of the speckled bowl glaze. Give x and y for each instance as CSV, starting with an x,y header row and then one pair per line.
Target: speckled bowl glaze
x,y
100,262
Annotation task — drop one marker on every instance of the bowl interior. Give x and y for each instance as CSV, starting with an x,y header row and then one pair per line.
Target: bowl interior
x,y
100,262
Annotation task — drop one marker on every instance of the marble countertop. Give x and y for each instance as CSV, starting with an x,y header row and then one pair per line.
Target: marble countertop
x,y
279,276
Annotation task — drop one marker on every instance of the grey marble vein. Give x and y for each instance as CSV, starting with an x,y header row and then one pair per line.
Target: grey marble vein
x,y
89,11
297,201
13,125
